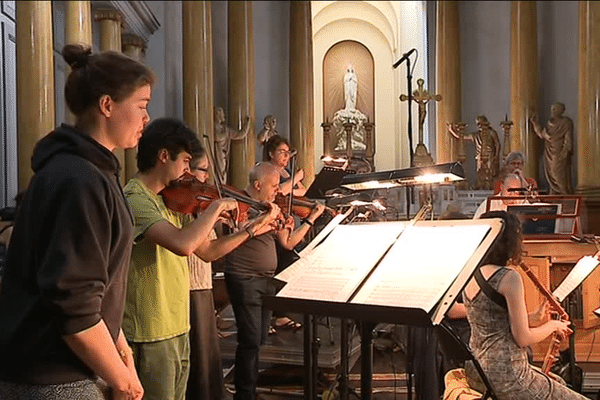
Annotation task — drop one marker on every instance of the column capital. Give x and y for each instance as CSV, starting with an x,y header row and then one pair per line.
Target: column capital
x,y
107,13
130,39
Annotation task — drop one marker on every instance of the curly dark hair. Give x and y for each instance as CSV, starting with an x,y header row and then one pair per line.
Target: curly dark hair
x,y
507,246
272,144
166,133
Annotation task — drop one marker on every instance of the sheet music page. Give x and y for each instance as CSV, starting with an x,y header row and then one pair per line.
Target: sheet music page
x,y
324,232
293,269
580,271
421,266
334,269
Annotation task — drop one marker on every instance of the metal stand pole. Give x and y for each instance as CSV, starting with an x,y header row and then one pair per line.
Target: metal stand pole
x,y
309,378
410,96
344,359
366,360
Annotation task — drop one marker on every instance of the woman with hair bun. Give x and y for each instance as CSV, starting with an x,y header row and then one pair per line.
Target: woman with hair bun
x,y
66,269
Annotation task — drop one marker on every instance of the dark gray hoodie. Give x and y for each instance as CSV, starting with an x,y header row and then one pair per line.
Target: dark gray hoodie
x,y
68,259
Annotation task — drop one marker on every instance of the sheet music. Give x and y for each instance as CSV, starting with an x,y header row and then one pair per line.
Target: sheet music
x,y
325,231
294,268
421,265
333,270
580,271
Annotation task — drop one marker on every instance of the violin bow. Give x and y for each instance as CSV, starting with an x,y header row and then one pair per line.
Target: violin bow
x,y
292,176
216,176
211,157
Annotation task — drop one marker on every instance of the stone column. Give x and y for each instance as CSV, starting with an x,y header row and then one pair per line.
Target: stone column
x,y
240,65
78,24
110,39
135,47
78,30
588,119
302,135
524,82
198,96
35,80
447,79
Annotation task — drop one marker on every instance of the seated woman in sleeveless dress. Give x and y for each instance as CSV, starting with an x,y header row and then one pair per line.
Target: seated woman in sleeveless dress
x,y
500,327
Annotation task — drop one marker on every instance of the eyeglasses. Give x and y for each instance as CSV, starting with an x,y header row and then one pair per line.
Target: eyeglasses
x,y
286,152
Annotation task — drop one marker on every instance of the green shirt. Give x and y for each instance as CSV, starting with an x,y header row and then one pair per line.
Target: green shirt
x,y
157,304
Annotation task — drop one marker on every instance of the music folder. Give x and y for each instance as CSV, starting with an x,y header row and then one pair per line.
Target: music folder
x,y
328,178
396,272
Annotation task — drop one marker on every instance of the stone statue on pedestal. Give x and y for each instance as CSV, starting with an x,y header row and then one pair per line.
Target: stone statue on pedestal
x,y
350,115
223,137
487,151
350,88
269,129
558,148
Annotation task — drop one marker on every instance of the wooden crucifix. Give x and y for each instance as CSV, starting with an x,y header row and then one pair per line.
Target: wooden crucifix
x,y
421,96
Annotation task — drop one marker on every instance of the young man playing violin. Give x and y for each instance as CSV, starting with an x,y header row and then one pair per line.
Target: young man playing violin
x,y
247,272
157,310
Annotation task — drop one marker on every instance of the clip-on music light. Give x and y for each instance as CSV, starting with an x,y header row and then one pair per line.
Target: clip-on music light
x,y
428,175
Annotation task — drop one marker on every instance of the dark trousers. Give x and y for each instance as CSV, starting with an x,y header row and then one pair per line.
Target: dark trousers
x,y
206,372
252,321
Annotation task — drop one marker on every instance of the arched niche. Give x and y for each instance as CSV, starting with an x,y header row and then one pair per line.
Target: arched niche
x,y
386,29
337,58
341,57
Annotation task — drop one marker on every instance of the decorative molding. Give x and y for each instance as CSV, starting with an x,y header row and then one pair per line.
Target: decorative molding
x,y
9,9
108,13
130,39
138,18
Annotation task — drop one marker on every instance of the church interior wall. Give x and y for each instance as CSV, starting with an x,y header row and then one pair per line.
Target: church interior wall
x,y
558,64
163,55
271,60
485,65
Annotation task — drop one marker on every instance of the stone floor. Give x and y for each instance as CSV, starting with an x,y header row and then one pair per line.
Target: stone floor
x,y
282,371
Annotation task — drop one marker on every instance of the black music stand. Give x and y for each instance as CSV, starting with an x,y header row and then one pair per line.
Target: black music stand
x,y
368,313
328,178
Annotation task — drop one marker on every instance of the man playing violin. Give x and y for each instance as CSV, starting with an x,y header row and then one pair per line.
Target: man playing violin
x,y
247,272
157,311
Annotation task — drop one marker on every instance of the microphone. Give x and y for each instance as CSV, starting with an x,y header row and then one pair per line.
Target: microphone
x,y
403,58
518,190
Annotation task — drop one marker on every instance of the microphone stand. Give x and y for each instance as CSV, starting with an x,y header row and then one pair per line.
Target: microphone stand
x,y
409,86
409,191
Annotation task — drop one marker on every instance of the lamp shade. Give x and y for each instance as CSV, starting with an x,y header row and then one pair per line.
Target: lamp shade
x,y
433,174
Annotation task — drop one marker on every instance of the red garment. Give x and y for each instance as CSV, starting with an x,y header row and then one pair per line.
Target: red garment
x,y
498,184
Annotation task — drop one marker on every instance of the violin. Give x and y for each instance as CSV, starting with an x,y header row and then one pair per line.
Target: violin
x,y
301,206
188,195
